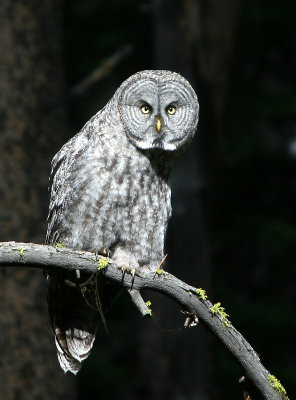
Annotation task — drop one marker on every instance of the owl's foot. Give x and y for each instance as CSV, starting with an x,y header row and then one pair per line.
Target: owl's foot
x,y
126,261
157,270
129,270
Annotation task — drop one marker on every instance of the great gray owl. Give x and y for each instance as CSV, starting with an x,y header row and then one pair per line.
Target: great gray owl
x,y
110,194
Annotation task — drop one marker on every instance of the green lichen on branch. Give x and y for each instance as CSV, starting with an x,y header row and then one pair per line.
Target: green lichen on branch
x,y
148,304
59,245
218,309
103,262
277,386
201,293
159,272
21,251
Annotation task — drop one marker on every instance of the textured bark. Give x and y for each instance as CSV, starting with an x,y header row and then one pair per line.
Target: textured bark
x,y
194,302
32,122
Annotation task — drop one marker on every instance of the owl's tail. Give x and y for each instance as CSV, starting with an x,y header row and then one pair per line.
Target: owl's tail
x,y
74,319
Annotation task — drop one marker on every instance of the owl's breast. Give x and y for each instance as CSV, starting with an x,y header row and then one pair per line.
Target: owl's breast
x,y
142,206
115,199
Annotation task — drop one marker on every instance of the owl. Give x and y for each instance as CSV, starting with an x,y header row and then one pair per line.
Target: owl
x,y
110,193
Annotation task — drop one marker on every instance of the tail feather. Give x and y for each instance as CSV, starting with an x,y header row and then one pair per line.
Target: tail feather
x,y
74,321
77,351
74,312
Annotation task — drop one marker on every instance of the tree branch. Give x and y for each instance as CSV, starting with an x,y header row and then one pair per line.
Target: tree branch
x,y
193,300
102,71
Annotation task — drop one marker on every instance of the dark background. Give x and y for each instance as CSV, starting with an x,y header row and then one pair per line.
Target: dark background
x,y
233,229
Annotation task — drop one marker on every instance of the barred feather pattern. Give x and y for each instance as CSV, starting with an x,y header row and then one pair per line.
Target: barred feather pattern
x,y
109,190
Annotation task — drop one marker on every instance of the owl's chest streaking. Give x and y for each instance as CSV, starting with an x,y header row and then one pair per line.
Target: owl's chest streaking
x,y
118,199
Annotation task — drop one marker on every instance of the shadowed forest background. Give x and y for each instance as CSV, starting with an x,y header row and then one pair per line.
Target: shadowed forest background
x,y
233,229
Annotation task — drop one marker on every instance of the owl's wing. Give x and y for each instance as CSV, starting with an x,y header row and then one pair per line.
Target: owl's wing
x,y
72,307
60,187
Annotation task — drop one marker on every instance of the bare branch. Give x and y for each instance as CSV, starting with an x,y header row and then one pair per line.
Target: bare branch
x,y
100,72
191,299
139,302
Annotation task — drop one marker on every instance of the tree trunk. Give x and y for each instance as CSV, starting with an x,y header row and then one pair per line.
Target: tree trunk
x,y
32,129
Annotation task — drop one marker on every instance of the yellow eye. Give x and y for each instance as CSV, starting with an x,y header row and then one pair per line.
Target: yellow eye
x,y
171,109
145,109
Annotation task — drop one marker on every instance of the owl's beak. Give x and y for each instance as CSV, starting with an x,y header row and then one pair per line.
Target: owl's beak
x,y
158,124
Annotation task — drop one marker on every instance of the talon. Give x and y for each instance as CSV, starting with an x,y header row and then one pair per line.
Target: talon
x,y
101,252
123,268
96,257
105,252
132,271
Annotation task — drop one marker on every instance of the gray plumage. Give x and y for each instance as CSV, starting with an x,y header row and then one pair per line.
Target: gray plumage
x,y
110,192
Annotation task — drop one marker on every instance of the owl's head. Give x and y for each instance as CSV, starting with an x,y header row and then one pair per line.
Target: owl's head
x,y
159,110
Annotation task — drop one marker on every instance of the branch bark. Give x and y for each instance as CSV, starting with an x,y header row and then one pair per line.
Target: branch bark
x,y
191,299
102,71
